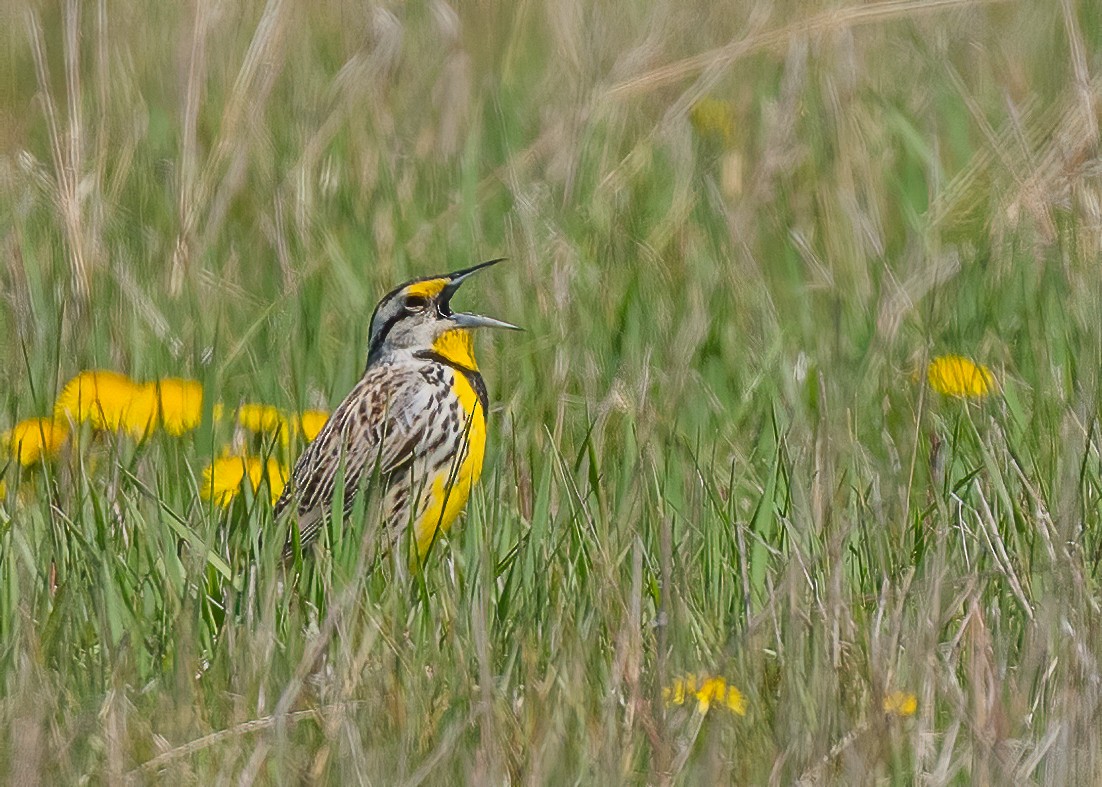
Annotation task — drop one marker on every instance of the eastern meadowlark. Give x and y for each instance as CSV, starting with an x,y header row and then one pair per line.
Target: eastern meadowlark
x,y
415,423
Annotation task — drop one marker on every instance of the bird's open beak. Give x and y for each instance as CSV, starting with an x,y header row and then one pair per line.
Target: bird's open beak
x,y
463,319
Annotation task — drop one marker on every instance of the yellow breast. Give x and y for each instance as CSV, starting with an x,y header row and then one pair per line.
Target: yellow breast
x,y
451,486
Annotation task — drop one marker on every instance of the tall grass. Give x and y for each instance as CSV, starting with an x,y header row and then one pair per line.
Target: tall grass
x,y
712,452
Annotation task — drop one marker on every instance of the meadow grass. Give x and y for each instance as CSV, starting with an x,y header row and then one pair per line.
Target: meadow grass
x,y
738,234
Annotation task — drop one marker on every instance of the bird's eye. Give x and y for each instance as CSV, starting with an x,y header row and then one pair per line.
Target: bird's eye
x,y
416,303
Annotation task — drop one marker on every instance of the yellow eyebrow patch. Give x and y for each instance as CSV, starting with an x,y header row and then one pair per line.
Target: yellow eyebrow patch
x,y
426,289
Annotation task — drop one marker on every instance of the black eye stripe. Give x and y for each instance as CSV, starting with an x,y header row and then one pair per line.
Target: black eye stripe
x,y
384,330
416,302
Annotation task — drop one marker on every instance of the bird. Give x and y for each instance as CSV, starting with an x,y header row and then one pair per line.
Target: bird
x,y
413,428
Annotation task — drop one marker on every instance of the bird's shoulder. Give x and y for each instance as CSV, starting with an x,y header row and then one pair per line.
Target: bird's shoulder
x,y
387,396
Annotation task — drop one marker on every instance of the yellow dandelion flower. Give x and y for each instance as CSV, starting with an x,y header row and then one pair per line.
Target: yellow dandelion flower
x,y
955,375
713,120
180,404
674,694
707,691
222,479
99,397
900,703
265,419
35,439
260,417
311,422
277,478
142,415
108,401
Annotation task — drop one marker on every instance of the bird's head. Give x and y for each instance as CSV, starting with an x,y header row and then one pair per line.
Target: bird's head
x,y
417,317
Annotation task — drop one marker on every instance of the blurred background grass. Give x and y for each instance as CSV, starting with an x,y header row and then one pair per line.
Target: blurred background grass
x,y
738,233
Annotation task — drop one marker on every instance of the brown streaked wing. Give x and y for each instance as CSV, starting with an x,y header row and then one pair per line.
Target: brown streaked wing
x,y
378,425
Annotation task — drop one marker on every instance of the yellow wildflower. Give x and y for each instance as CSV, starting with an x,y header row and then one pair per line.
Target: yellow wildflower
x,y
713,119
222,479
706,690
266,419
108,401
276,474
900,703
141,416
955,375
180,404
311,422
34,439
260,418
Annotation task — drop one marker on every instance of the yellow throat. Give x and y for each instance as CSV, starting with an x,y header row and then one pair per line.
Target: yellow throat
x,y
456,347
